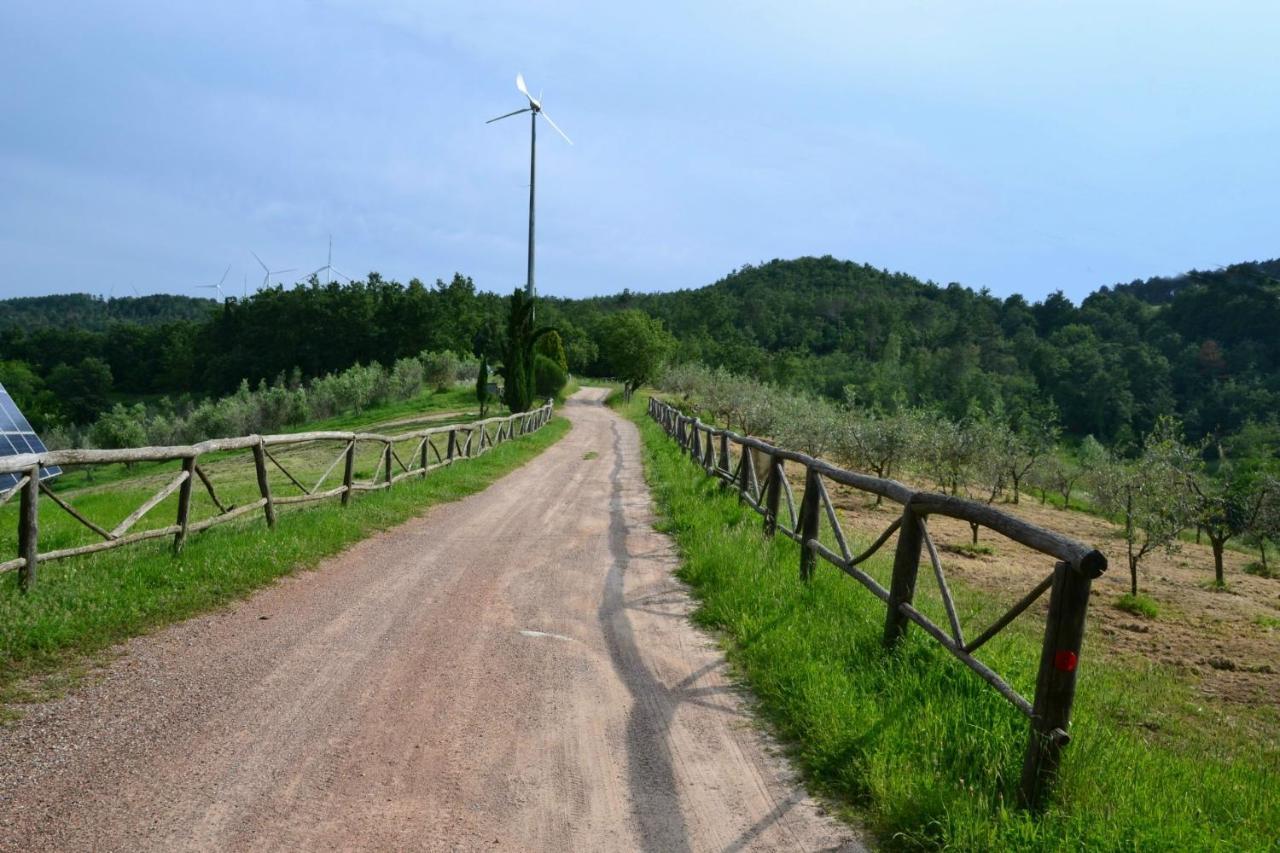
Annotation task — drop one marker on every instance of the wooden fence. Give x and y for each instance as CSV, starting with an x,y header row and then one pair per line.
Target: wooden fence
x,y
436,447
733,459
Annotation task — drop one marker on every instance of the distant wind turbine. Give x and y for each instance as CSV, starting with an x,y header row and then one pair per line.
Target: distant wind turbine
x,y
266,278
329,267
218,286
535,110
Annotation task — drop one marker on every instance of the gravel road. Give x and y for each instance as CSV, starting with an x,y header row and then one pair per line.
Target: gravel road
x,y
512,671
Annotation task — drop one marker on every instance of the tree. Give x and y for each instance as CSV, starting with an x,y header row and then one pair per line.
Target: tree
x,y
82,391
482,384
518,353
1266,524
1149,494
552,347
876,442
1033,435
633,346
1226,505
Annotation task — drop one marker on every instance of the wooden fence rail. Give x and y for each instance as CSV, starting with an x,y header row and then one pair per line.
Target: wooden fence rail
x,y
1074,568
457,441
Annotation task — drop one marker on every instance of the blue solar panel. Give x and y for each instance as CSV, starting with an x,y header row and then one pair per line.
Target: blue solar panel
x,y
17,437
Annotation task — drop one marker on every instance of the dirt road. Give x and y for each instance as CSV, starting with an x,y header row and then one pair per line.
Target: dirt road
x,y
511,671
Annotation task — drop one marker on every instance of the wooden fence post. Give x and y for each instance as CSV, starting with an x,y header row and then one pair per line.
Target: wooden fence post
x,y
772,495
906,565
695,441
453,444
1056,683
724,452
184,504
264,487
809,520
29,529
426,450
387,459
348,471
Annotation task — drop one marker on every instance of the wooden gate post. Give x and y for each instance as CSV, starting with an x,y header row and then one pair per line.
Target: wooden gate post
x,y
29,529
772,495
1056,683
348,471
809,520
264,487
453,444
724,452
906,565
426,457
184,503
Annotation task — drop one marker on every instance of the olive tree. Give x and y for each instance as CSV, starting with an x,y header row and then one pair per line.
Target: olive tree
x,y
1226,505
1149,495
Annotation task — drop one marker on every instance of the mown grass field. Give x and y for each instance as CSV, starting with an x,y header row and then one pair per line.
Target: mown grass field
x,y
83,605
925,754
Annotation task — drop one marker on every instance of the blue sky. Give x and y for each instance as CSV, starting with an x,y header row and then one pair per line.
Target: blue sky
x,y
1023,147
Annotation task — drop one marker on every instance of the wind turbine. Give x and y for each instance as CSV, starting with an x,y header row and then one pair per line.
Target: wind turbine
x,y
218,286
535,110
329,267
266,279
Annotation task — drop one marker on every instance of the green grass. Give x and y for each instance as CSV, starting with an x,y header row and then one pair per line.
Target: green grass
x,y
82,606
924,752
1270,622
1139,605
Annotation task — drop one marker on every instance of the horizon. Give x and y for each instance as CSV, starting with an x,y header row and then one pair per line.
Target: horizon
x,y
1077,301
1022,151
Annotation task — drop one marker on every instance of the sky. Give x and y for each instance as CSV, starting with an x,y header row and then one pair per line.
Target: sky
x,y
1021,147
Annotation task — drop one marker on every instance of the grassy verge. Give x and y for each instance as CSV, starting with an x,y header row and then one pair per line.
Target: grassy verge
x,y
927,754
84,605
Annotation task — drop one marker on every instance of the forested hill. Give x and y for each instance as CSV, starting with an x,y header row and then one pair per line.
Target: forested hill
x,y
94,313
1203,346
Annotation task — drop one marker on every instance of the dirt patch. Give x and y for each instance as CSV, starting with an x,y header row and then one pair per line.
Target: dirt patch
x,y
1224,639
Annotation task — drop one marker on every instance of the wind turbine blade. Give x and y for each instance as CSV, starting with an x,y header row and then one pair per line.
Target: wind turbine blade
x,y
224,275
278,272
543,113
258,259
520,85
339,274
508,115
319,270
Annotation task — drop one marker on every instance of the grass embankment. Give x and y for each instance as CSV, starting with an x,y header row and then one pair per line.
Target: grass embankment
x,y
84,605
927,754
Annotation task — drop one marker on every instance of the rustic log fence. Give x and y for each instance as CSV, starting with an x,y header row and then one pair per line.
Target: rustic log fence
x,y
1076,566
444,444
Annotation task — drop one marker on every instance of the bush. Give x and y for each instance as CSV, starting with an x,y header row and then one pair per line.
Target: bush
x,y
122,426
440,368
548,377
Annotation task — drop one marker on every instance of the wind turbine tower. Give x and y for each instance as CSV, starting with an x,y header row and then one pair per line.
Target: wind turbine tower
x,y
535,110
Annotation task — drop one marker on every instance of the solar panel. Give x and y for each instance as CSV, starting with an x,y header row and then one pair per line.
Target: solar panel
x,y
17,437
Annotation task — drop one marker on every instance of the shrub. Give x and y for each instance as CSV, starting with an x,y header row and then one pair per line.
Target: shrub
x,y
548,377
122,426
440,368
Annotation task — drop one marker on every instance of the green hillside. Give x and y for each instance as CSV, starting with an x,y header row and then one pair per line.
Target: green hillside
x,y
1201,346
